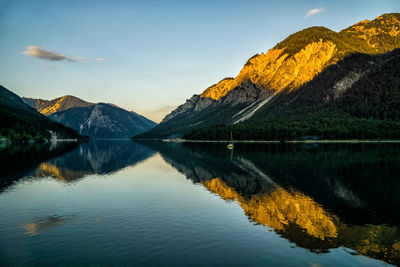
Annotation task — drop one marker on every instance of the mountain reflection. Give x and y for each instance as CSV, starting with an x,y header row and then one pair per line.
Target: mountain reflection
x,y
20,160
319,197
97,157
279,209
69,161
41,224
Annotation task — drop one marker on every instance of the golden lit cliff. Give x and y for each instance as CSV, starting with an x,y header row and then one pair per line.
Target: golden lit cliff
x,y
300,57
217,90
54,108
48,107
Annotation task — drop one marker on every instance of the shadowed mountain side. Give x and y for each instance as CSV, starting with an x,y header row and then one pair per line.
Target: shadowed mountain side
x,y
98,120
309,195
21,123
97,157
18,161
103,121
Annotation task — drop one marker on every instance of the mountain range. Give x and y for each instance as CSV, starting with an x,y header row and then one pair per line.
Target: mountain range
x,y
20,122
315,82
99,120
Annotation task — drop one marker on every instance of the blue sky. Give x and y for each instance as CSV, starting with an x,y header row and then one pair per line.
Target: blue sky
x,y
149,56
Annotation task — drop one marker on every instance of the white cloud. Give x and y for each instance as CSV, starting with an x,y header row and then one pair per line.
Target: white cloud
x,y
99,59
79,59
314,11
42,53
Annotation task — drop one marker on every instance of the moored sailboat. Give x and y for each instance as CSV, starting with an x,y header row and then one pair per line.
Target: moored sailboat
x,y
230,144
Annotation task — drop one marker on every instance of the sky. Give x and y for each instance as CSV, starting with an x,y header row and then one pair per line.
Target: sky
x,y
150,56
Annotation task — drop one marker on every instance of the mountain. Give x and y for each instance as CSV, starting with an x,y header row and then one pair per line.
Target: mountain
x,y
96,120
359,97
103,121
292,65
19,122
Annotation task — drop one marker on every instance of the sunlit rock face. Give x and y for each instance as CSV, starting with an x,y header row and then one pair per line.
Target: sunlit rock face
x,y
218,90
387,25
48,107
282,68
276,70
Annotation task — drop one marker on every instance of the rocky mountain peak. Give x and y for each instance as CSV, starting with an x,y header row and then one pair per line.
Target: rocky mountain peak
x,y
48,107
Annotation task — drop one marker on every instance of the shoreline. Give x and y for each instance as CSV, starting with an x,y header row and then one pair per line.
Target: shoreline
x,y
347,141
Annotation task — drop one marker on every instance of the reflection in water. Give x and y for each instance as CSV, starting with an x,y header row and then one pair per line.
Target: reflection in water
x,y
69,161
319,198
96,157
20,160
279,209
44,223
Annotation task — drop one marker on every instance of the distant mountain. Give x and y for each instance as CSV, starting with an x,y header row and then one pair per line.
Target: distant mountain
x,y
19,122
103,121
96,120
266,79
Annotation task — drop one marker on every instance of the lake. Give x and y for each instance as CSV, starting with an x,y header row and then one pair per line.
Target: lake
x,y
200,204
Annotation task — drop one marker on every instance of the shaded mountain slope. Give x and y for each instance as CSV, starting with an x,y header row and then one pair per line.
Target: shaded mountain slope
x,y
96,120
20,122
103,121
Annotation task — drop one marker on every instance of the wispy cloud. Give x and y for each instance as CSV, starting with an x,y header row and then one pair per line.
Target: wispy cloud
x,y
99,59
314,11
41,53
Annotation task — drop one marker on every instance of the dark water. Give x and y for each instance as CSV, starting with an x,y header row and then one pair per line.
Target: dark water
x,y
159,204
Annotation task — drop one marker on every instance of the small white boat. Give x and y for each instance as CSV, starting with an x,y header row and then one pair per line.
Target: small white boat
x,y
230,145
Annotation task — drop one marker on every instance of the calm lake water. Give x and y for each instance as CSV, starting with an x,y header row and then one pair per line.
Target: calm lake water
x,y
159,204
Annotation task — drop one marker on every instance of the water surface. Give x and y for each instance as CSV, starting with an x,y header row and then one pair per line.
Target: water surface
x,y
156,203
